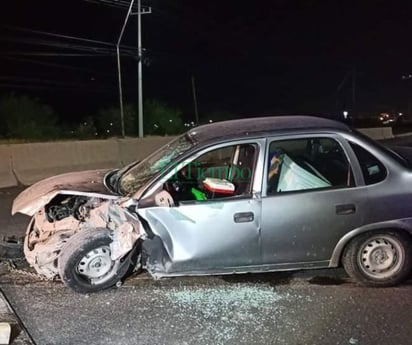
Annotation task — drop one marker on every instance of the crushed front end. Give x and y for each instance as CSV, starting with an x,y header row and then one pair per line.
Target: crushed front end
x,y
65,215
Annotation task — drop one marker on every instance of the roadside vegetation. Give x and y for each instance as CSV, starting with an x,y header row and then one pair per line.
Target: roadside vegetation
x,y
25,118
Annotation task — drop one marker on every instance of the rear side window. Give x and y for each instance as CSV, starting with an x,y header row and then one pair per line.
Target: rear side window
x,y
373,170
307,164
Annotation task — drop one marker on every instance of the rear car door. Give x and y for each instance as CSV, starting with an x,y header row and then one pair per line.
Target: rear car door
x,y
313,194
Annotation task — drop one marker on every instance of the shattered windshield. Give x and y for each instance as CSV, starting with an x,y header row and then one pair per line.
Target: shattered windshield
x,y
134,178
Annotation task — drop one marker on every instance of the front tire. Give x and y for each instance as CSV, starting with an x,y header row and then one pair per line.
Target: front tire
x,y
85,264
379,259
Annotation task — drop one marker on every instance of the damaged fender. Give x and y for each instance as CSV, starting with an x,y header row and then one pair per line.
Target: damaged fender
x,y
46,237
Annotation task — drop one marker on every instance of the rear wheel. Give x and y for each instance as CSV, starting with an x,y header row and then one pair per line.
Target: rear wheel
x,y
379,259
85,264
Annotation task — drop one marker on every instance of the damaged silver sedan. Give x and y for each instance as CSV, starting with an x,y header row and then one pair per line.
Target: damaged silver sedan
x,y
251,195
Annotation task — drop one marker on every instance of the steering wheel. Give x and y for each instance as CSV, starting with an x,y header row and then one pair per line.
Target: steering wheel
x,y
180,185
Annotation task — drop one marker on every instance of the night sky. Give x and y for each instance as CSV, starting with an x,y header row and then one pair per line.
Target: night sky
x,y
247,57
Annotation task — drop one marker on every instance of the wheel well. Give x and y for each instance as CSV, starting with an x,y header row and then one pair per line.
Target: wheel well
x,y
400,230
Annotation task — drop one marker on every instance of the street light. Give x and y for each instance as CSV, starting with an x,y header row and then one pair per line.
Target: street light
x,y
408,77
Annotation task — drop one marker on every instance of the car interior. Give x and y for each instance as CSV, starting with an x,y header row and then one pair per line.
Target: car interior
x,y
221,173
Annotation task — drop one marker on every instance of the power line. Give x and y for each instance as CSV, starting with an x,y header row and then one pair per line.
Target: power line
x,y
45,81
61,66
49,82
53,87
47,33
122,4
69,46
93,45
47,54
68,37
35,83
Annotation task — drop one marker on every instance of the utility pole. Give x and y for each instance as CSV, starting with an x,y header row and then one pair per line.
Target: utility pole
x,y
139,13
195,99
354,92
350,74
408,78
119,71
338,90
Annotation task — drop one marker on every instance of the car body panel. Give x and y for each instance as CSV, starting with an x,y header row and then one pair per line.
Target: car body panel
x,y
314,229
394,225
84,183
202,237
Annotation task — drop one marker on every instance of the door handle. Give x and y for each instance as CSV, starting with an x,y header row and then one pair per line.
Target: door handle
x,y
345,209
243,217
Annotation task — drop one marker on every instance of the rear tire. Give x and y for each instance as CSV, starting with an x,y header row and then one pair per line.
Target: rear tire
x,y
85,264
379,259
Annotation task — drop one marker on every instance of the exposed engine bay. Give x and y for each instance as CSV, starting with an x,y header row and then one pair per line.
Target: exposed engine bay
x,y
66,215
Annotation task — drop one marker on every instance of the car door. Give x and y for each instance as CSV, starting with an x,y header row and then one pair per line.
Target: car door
x,y
316,197
217,232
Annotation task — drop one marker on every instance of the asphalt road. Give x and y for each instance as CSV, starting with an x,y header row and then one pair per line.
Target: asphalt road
x,y
9,225
311,307
270,309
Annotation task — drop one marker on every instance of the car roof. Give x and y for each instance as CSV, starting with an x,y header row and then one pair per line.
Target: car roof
x,y
262,125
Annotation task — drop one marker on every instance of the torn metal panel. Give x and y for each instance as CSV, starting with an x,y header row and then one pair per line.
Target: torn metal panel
x,y
86,183
46,236
124,239
42,247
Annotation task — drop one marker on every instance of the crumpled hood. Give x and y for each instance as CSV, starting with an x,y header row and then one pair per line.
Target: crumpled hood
x,y
88,183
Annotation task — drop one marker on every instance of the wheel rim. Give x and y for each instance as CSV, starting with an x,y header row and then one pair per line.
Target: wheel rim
x,y
381,256
97,266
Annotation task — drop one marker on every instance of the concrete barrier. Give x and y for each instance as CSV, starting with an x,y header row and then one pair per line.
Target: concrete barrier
x,y
378,133
35,161
136,149
7,178
387,133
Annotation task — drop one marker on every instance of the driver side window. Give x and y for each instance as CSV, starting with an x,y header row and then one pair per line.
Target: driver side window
x,y
220,173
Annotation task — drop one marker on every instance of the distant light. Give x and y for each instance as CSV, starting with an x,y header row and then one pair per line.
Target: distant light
x,y
111,123
170,120
108,131
95,133
192,123
345,114
400,114
85,124
155,126
210,121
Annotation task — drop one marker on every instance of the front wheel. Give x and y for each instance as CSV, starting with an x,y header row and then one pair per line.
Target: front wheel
x,y
85,264
379,259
